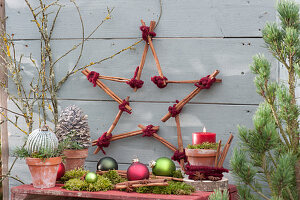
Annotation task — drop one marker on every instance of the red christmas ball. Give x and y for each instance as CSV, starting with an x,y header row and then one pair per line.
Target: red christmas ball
x,y
137,171
61,171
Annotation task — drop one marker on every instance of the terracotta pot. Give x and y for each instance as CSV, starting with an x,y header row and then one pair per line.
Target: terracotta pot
x,y
201,157
43,172
75,158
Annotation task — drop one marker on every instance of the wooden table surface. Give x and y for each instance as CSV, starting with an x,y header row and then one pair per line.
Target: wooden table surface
x,y
29,192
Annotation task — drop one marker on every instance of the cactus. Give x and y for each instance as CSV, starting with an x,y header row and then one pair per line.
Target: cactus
x,y
73,126
41,139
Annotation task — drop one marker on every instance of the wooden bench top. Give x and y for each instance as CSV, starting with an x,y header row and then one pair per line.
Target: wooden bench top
x,y
29,192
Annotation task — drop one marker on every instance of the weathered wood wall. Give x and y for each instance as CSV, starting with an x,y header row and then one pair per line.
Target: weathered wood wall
x,y
193,39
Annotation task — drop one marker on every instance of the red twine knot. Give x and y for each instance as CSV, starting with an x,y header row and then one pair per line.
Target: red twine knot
x,y
93,77
191,170
179,156
205,82
173,110
148,131
146,32
104,141
122,106
134,83
159,81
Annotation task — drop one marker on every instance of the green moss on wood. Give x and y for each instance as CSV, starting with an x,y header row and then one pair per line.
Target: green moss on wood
x,y
205,145
176,188
114,177
75,173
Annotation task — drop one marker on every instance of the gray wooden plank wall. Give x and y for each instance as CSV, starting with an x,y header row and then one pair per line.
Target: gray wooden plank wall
x,y
193,39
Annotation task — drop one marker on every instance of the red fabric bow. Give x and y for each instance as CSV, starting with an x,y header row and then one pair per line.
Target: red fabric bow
x,y
93,77
159,81
205,82
148,131
122,106
173,110
134,83
146,32
179,155
191,170
104,141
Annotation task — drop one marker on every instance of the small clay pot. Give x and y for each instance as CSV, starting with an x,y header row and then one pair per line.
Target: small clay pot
x,y
43,172
201,157
75,159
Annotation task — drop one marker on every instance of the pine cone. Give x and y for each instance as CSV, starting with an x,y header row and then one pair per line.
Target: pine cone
x,y
73,125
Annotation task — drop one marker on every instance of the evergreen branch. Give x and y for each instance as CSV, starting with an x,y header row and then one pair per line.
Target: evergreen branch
x,y
266,172
272,159
258,192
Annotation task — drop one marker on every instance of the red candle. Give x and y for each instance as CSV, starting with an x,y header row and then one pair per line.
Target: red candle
x,y
201,137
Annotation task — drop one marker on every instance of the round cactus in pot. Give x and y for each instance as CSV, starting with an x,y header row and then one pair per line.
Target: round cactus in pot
x,y
43,156
41,139
73,130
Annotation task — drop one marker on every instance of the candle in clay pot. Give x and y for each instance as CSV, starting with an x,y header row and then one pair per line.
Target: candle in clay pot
x,y
201,137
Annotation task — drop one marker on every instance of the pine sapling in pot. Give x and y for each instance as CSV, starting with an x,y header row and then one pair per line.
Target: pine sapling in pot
x,y
266,163
73,130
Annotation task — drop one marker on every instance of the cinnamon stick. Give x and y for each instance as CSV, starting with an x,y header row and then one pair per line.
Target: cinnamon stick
x,y
165,142
188,98
138,77
179,139
104,87
118,187
144,127
116,120
114,79
218,153
121,136
154,53
140,183
120,172
161,139
166,177
225,151
107,90
112,127
144,181
190,81
126,135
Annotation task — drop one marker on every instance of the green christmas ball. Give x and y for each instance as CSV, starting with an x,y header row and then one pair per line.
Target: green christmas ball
x,y
163,167
91,177
107,163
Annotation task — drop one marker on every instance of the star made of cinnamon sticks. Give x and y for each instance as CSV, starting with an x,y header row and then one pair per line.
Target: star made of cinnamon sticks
x,y
161,81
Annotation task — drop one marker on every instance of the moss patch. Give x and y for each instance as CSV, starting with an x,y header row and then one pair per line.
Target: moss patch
x,y
75,173
114,177
205,145
177,188
102,184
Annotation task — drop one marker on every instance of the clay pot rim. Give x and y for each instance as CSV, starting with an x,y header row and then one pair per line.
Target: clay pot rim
x,y
186,149
76,153
200,152
46,161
